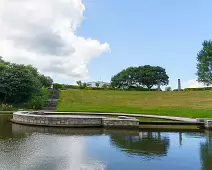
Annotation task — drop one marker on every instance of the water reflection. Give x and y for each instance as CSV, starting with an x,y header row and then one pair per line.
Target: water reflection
x,y
31,147
18,129
38,150
150,144
5,126
206,152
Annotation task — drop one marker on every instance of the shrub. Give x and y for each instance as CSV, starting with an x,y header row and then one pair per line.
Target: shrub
x,y
140,89
6,107
198,89
38,100
168,89
177,90
57,86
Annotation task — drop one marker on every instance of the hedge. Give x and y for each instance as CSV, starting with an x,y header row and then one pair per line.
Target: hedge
x,y
67,87
178,90
198,89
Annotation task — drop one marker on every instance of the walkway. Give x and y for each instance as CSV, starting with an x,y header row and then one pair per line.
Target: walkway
x,y
130,115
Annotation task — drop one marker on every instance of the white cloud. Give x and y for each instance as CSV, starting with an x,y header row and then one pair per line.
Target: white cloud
x,y
194,84
43,33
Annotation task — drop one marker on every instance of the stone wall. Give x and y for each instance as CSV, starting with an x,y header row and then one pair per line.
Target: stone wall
x,y
109,122
57,120
73,121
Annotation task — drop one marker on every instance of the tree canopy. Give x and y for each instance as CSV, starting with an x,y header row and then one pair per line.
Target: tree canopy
x,y
18,83
204,63
142,76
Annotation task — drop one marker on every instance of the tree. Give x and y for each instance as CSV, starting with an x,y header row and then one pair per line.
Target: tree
x,y
17,84
84,85
168,89
22,84
150,75
79,83
204,63
140,76
97,84
46,81
125,78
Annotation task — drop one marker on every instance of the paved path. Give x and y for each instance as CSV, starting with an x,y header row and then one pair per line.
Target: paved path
x,y
130,115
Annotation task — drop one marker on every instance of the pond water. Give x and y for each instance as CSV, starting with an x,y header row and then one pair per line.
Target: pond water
x,y
41,148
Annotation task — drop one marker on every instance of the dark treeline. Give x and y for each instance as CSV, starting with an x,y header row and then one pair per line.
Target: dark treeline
x,y
22,85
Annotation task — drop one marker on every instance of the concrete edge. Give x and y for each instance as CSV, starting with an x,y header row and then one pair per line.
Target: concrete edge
x,y
130,115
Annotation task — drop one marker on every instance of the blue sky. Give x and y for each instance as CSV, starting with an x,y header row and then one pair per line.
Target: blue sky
x,y
164,33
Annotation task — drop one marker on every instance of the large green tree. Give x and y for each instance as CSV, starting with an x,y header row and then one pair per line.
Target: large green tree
x,y
46,81
125,79
22,84
204,63
147,76
150,75
17,83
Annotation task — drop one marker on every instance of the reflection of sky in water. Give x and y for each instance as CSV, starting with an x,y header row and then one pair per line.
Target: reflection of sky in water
x,y
45,152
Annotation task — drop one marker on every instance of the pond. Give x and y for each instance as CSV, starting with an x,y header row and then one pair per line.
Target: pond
x,y
41,148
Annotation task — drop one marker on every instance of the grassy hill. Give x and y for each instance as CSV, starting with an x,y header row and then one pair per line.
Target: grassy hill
x,y
186,104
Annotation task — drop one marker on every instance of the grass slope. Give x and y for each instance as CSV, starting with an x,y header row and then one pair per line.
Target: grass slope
x,y
186,104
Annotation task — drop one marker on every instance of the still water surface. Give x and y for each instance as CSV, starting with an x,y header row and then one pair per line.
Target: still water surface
x,y
39,148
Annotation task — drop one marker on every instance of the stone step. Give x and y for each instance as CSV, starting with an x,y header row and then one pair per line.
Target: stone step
x,y
52,104
49,108
52,99
55,104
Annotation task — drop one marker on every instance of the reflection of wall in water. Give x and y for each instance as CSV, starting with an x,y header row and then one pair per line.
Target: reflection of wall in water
x,y
19,129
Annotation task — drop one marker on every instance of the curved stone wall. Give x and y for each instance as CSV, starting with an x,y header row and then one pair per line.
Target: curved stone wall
x,y
72,121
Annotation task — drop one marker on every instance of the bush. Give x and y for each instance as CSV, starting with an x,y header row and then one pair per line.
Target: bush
x,y
177,90
38,100
168,89
67,87
6,107
198,89
57,86
140,89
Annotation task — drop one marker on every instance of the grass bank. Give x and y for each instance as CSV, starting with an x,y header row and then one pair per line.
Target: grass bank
x,y
194,104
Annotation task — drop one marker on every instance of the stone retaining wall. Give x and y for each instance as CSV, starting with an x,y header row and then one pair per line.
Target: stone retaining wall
x,y
109,122
57,120
72,121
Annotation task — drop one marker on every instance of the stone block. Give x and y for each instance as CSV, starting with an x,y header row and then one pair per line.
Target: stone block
x,y
208,124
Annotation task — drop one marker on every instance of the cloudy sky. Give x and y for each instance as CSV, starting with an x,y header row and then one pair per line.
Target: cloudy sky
x,y
44,33
94,39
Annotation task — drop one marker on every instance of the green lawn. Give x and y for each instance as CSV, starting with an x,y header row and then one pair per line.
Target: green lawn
x,y
187,104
